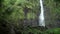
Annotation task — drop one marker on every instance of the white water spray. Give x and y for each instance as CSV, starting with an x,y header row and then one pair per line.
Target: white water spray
x,y
41,17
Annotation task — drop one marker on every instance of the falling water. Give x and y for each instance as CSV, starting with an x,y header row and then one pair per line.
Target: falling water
x,y
41,17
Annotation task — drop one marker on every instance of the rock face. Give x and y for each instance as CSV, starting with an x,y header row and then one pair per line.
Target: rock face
x,y
32,23
35,22
49,18
47,14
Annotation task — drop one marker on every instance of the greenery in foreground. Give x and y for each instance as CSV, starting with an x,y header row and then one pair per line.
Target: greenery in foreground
x,y
37,31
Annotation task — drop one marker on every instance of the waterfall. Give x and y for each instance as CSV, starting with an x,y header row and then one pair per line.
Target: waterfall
x,y
41,16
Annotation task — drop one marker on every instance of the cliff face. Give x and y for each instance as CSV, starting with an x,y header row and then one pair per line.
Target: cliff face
x,y
52,13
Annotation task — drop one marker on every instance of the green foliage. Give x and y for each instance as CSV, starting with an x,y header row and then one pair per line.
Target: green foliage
x,y
18,7
32,31
37,31
57,0
53,31
14,9
31,15
54,10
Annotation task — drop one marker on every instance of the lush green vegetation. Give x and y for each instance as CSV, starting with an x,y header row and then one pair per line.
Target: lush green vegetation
x,y
37,31
53,31
14,12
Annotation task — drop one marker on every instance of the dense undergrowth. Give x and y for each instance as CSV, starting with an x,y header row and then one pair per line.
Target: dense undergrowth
x,y
37,31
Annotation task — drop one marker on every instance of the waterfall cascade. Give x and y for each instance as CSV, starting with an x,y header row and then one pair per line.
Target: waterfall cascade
x,y
41,16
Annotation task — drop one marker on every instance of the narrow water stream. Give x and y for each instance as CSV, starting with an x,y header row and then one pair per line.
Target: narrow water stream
x,y
41,16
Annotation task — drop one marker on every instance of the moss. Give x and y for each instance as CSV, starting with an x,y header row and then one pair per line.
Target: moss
x,y
53,31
